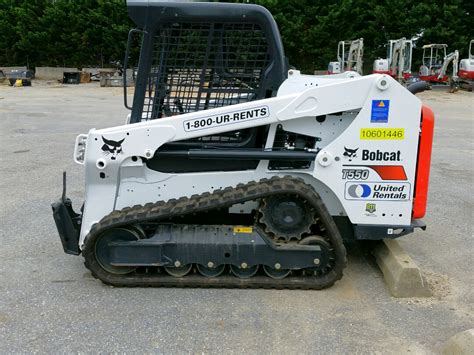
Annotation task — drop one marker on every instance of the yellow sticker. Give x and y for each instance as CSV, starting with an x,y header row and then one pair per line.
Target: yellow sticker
x,y
243,229
382,133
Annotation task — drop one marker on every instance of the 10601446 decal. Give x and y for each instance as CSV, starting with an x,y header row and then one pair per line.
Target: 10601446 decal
x,y
226,118
377,191
382,133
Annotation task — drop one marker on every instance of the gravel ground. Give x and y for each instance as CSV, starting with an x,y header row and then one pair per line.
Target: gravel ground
x,y
49,303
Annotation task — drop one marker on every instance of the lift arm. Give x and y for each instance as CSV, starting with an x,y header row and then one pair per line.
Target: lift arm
x,y
451,57
397,62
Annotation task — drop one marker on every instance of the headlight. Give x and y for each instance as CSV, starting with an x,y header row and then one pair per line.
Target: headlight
x,y
80,149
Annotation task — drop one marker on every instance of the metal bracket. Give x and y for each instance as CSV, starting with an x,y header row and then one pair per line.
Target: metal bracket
x,y
125,64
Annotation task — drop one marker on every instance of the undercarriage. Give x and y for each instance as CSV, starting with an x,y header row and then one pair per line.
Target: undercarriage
x,y
161,244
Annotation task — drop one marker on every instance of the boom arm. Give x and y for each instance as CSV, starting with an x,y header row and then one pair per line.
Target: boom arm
x,y
397,62
354,58
451,57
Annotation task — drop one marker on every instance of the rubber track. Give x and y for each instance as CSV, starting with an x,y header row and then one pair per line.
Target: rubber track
x,y
205,202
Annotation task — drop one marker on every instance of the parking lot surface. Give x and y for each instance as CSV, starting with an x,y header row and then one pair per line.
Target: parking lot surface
x,y
49,302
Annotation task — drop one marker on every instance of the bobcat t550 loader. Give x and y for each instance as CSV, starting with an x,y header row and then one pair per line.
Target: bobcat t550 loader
x,y
234,171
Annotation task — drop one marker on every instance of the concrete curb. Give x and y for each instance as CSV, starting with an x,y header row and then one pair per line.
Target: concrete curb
x,y
460,344
402,275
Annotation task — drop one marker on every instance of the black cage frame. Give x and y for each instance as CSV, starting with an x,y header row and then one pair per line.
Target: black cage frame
x,y
196,56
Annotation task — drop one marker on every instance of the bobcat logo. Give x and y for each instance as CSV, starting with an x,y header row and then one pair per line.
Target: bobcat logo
x,y
350,153
112,148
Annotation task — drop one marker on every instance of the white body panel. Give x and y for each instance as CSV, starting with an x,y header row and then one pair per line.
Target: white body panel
x,y
347,102
467,65
334,68
380,65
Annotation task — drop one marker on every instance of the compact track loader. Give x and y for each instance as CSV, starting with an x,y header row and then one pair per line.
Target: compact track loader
x,y
234,170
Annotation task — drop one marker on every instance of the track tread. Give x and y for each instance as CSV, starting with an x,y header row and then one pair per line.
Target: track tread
x,y
207,201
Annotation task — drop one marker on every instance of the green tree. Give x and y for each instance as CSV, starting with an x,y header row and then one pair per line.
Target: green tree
x,y
94,32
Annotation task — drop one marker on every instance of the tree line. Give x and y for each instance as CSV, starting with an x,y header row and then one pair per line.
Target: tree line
x,y
94,32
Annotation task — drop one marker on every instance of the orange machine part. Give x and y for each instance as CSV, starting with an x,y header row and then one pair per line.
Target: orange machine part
x,y
424,161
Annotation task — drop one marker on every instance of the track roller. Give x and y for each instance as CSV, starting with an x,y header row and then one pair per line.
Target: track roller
x,y
276,273
179,271
244,272
210,270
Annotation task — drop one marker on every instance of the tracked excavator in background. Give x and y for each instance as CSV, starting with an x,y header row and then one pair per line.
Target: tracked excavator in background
x,y
398,61
435,64
466,69
233,170
349,57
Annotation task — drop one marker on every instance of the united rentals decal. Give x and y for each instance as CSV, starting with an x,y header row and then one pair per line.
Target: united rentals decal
x,y
377,191
224,119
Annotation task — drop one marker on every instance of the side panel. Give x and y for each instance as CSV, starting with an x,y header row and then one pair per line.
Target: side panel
x,y
367,171
371,166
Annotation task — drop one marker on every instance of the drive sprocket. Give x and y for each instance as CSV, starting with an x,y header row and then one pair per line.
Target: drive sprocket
x,y
286,217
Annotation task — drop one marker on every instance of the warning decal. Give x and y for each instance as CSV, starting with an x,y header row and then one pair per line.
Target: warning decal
x,y
379,112
242,229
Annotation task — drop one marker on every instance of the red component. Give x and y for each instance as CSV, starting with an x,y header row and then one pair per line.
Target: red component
x,y
424,161
466,74
390,172
434,78
381,72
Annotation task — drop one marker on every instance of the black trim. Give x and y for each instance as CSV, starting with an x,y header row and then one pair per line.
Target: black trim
x,y
378,232
68,224
239,154
418,87
219,244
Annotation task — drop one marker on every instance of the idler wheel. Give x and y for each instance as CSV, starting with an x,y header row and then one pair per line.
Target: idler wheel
x,y
323,262
115,235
